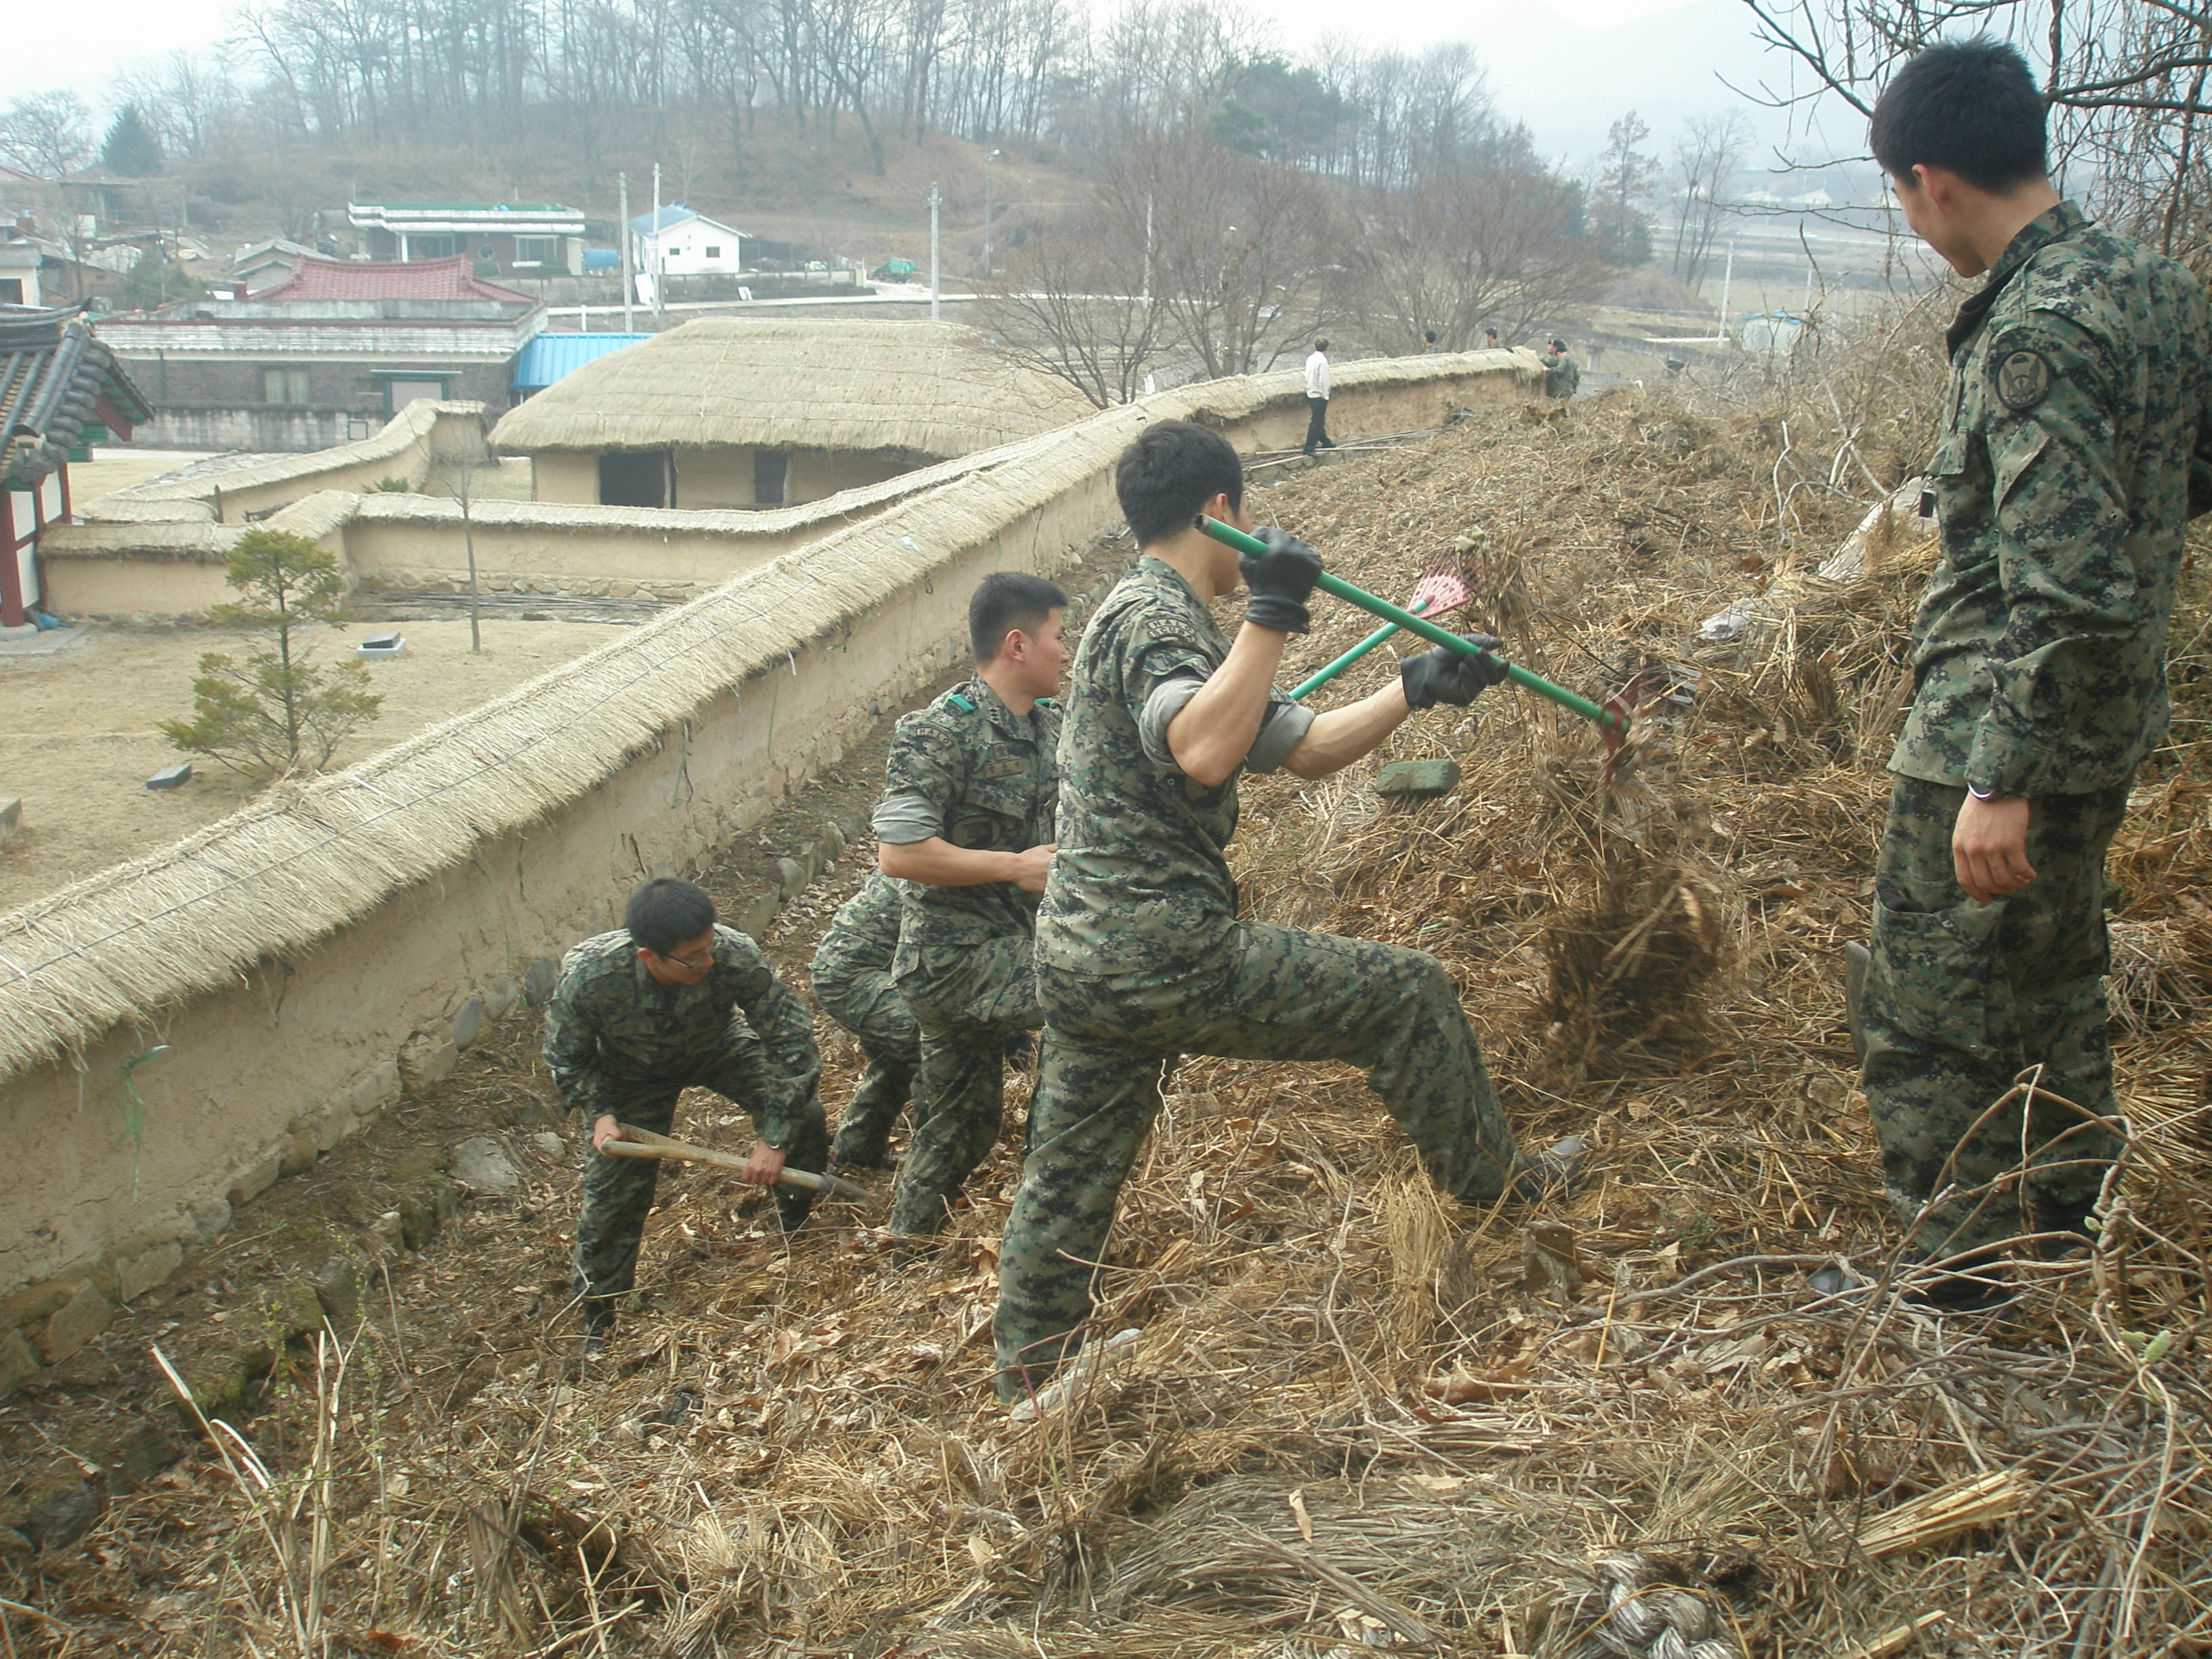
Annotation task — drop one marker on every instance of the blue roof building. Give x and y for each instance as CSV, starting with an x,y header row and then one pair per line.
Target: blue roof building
x,y
550,356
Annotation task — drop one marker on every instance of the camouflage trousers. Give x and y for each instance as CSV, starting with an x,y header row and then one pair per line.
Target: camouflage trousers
x,y
865,1003
618,1191
1272,993
1961,998
971,1005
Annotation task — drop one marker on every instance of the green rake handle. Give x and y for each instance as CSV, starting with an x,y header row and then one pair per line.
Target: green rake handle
x,y
1322,676
1605,719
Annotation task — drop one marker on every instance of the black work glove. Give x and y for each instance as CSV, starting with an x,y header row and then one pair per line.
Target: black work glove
x,y
1440,675
1279,581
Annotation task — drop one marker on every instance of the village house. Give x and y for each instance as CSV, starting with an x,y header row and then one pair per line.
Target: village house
x,y
730,412
61,391
690,244
326,356
525,238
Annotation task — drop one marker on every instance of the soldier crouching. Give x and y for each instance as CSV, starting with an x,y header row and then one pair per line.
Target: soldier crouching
x,y
668,1001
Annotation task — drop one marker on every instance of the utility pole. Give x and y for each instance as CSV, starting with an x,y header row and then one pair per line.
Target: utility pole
x,y
1148,247
656,241
933,199
988,160
628,287
1728,275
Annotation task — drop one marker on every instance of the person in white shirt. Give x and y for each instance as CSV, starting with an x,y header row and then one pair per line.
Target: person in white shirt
x,y
1317,399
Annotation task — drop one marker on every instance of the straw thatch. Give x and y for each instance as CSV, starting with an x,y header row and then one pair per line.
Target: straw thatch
x,y
934,389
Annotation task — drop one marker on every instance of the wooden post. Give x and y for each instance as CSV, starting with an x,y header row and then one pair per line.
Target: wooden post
x,y
11,569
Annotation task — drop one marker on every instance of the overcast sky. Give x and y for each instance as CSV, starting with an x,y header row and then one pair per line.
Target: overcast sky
x,y
1566,67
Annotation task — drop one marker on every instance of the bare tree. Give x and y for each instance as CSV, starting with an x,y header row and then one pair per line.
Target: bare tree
x,y
1071,304
1706,157
2126,83
47,134
1244,257
1492,239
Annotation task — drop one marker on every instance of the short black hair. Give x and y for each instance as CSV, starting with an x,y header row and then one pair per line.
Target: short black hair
x,y
1969,106
1428,336
1004,600
1320,345
1174,469
665,912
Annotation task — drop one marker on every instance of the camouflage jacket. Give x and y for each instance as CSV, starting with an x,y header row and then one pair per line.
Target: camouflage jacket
x,y
610,1025
2073,451
864,934
1561,374
1141,885
984,777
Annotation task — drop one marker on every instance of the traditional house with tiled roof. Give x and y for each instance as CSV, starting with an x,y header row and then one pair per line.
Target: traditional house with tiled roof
x,y
326,356
61,391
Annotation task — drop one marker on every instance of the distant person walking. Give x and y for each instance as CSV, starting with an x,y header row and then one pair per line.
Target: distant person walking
x,y
1561,375
1429,340
1490,339
1317,399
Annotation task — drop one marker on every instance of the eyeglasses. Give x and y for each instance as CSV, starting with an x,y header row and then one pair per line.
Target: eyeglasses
x,y
703,960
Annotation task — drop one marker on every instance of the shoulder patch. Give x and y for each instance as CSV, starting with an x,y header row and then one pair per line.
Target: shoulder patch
x,y
2022,375
960,702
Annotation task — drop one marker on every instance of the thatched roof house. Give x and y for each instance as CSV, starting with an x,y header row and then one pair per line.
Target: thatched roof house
x,y
730,412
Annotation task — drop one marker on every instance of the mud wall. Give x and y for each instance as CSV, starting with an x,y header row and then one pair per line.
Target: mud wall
x,y
269,1065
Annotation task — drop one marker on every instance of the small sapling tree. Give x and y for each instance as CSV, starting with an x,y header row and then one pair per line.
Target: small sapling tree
x,y
277,712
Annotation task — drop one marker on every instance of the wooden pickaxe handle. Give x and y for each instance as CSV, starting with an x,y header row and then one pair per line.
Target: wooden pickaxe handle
x,y
643,1143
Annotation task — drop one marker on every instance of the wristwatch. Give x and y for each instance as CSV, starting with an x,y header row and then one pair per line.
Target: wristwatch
x,y
1979,794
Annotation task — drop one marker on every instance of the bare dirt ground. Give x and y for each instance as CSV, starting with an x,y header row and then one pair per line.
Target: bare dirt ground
x,y
79,739
1357,1418
112,468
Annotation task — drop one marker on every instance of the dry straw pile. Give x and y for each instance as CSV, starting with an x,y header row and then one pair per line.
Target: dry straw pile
x,y
1356,1418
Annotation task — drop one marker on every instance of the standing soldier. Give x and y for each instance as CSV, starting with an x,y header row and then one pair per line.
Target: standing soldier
x,y
1317,399
852,976
1141,954
1561,374
2074,453
966,821
668,1001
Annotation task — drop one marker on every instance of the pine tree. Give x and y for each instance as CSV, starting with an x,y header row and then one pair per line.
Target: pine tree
x,y
131,148
1625,180
275,712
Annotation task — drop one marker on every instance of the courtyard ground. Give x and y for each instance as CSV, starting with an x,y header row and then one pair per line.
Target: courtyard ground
x,y
81,739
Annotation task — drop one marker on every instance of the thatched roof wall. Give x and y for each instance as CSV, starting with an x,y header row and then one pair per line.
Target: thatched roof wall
x,y
934,389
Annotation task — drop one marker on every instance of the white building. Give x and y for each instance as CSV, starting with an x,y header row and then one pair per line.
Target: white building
x,y
691,244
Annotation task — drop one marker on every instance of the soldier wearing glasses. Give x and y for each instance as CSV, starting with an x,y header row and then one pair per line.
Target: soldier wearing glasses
x,y
668,1001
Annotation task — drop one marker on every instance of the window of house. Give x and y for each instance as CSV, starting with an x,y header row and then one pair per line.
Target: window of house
x,y
771,468
714,254
633,477
284,385
11,290
537,250
431,247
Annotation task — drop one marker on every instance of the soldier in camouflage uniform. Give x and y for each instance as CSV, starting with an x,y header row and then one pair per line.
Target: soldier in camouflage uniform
x,y
2072,455
1141,954
966,821
853,982
1562,375
670,1001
